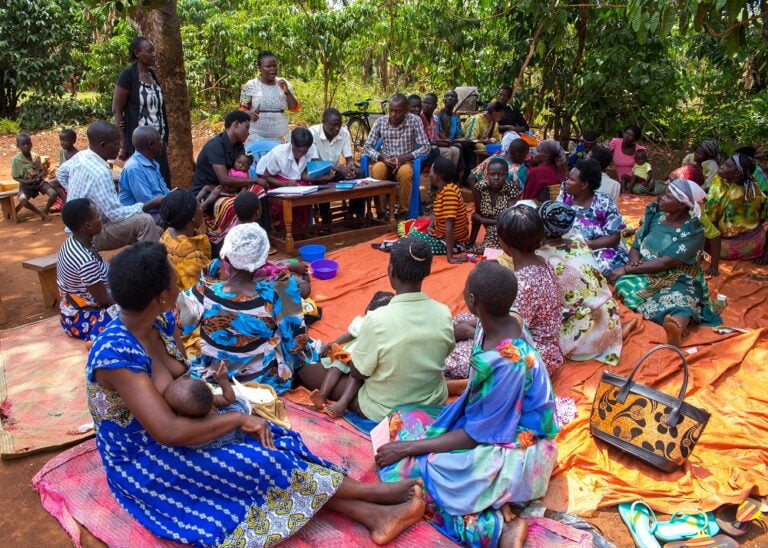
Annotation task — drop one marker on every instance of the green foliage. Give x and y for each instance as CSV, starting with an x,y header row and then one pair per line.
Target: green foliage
x,y
36,41
40,112
9,127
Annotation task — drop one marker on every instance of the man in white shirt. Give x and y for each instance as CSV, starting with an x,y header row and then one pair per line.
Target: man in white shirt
x,y
608,186
87,175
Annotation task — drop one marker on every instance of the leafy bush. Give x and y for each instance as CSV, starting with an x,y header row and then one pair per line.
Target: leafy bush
x,y
39,112
9,127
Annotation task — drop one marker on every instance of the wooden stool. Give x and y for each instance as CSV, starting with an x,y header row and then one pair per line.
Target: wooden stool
x,y
46,272
8,205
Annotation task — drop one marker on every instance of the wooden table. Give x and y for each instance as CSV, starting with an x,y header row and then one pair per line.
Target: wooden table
x,y
363,189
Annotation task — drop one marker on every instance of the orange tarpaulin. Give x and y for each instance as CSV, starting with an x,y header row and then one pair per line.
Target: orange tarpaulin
x,y
729,378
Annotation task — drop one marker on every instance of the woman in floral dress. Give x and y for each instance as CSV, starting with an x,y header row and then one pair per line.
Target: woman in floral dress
x,y
663,279
597,218
492,446
255,491
494,192
591,320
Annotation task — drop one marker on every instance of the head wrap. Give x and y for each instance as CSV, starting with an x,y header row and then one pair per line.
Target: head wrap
x,y
711,148
746,167
246,247
553,151
558,218
688,193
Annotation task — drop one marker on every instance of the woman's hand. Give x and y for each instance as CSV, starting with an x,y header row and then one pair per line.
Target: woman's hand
x,y
259,429
616,273
283,85
634,257
713,271
392,452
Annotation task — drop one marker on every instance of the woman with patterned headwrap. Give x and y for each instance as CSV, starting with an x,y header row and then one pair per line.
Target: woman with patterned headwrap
x,y
591,327
663,279
737,210
706,155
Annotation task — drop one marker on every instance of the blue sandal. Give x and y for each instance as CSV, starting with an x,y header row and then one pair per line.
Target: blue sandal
x,y
641,522
682,526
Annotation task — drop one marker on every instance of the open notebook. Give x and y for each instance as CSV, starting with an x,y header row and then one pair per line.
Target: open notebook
x,y
293,190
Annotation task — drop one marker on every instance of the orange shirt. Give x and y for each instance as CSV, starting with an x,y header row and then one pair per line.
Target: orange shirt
x,y
449,204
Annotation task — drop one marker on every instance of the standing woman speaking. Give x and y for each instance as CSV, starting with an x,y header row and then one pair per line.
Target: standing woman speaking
x,y
270,97
138,101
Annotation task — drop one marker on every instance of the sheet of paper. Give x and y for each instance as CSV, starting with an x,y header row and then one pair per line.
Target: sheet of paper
x,y
492,253
380,434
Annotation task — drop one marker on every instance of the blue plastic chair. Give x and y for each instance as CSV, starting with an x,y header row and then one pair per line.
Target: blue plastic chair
x,y
414,205
257,149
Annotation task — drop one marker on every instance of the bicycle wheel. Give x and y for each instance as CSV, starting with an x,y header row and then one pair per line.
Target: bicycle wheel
x,y
358,131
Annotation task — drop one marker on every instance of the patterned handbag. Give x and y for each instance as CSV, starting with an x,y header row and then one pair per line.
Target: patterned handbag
x,y
656,428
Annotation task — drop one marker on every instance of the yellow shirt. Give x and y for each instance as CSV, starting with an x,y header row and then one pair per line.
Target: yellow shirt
x,y
188,255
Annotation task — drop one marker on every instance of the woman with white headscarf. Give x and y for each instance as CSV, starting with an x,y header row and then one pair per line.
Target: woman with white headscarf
x,y
251,318
663,279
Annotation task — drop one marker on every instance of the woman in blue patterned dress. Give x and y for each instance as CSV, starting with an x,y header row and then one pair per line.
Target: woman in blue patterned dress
x,y
597,218
494,444
255,490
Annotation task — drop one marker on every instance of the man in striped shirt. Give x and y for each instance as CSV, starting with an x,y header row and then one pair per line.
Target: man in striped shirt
x,y
403,140
87,175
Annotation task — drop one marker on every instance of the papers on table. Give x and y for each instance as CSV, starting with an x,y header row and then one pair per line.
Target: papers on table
x,y
293,190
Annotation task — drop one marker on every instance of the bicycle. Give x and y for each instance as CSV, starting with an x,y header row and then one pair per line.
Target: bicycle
x,y
359,122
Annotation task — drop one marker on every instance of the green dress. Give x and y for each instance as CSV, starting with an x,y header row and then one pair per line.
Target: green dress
x,y
678,291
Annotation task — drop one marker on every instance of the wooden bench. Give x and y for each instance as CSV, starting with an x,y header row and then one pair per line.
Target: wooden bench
x,y
8,205
46,272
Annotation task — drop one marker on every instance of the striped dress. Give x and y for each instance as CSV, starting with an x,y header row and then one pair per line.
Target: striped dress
x,y
77,268
449,205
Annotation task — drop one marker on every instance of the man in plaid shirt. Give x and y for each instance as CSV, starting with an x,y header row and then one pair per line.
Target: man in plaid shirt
x,y
404,140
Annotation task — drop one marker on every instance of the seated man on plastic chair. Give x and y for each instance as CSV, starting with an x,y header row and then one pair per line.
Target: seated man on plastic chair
x,y
403,140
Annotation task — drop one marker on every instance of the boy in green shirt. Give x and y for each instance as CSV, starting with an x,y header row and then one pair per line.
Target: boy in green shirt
x,y
28,170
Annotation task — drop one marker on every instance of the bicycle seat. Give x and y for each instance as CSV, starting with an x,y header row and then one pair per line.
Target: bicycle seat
x,y
363,103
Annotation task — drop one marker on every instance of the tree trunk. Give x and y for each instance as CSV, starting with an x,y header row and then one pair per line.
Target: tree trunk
x,y
162,26
531,50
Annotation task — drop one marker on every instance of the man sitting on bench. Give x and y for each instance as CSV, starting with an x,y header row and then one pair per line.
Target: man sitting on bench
x,y
87,175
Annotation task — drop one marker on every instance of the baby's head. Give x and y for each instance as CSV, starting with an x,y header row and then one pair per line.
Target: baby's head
x,y
641,156
189,397
380,298
248,207
243,162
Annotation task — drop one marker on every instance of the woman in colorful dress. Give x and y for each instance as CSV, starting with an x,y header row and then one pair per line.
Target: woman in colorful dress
x,y
494,192
484,126
138,101
736,209
492,446
663,278
270,97
189,249
623,149
254,324
598,219
591,319
232,491
86,305
521,232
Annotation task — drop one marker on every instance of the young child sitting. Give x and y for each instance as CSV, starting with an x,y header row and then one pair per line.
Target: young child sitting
x,y
67,140
28,170
193,398
336,359
210,193
642,174
448,226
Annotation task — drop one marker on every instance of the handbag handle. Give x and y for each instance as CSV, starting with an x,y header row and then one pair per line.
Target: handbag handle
x,y
674,416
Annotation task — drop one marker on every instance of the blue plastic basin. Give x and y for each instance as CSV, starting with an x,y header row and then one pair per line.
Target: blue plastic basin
x,y
324,269
312,252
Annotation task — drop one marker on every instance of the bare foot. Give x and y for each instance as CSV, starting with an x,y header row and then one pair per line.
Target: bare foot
x,y
317,399
394,493
674,331
336,410
627,328
397,518
513,534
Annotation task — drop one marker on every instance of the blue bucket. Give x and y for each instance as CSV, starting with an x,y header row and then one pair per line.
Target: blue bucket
x,y
312,252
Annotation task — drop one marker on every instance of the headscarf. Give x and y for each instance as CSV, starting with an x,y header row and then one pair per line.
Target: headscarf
x,y
553,150
246,247
746,167
688,193
711,148
692,172
558,218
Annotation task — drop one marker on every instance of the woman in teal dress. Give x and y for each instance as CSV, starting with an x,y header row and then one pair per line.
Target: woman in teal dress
x,y
492,446
663,279
227,479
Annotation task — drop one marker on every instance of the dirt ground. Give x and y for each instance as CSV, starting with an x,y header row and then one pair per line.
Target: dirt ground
x,y
23,521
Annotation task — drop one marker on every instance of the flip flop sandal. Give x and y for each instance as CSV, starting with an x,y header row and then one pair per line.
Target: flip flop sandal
x,y
272,251
386,247
641,522
735,520
718,541
682,526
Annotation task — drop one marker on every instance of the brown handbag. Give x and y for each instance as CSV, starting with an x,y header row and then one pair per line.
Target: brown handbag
x,y
656,428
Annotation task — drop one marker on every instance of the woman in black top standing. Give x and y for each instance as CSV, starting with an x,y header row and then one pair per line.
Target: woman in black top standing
x,y
138,101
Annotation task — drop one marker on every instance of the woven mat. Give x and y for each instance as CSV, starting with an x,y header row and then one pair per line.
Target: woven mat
x,y
42,389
